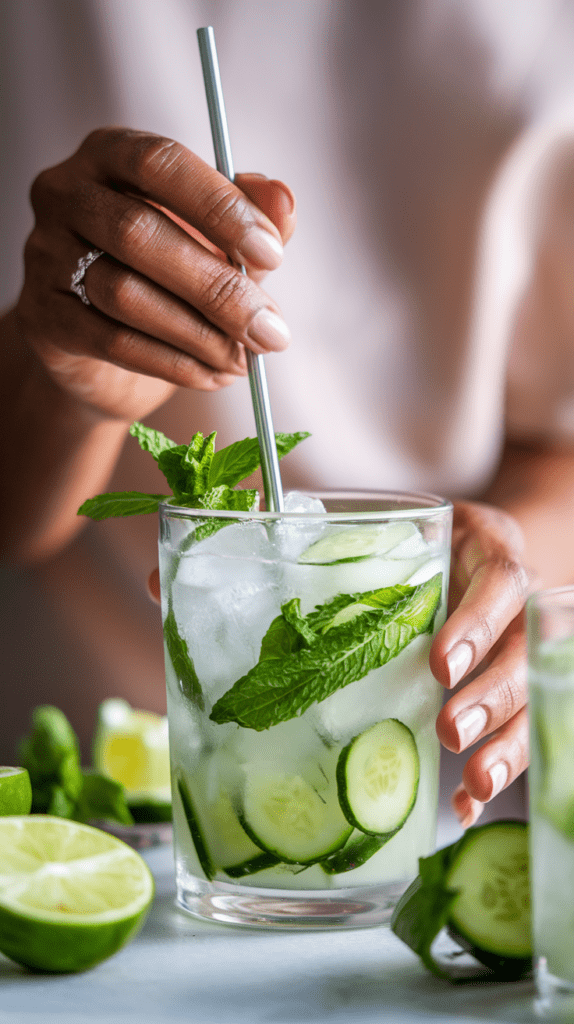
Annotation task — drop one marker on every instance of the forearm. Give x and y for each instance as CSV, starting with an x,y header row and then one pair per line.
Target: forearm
x,y
55,453
536,486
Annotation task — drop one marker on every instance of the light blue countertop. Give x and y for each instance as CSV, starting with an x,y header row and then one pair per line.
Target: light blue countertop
x,y
180,969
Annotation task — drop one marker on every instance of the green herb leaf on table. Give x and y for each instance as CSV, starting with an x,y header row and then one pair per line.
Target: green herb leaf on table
x,y
182,664
277,689
60,786
102,799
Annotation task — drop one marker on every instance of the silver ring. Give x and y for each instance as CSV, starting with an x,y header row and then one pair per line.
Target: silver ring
x,y
77,285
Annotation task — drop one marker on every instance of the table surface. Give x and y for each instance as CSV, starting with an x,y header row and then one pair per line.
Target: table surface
x,y
180,969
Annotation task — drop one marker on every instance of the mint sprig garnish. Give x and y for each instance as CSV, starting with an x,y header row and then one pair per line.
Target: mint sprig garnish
x,y
303,660
199,477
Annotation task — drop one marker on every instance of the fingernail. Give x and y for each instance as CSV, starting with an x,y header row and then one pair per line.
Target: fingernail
x,y
287,194
269,331
261,249
499,775
458,661
469,725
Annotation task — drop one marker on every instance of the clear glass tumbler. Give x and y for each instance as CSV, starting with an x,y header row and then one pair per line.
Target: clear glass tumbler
x,y
550,616
301,704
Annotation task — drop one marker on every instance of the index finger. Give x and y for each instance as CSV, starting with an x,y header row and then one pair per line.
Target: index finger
x,y
497,584
166,172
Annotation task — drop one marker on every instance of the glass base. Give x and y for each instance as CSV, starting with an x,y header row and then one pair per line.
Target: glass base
x,y
289,909
555,996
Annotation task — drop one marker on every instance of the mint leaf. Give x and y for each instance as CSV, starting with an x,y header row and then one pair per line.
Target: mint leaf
x,y
186,466
280,640
242,458
278,689
51,755
421,913
182,664
121,503
223,498
234,463
101,798
292,613
151,440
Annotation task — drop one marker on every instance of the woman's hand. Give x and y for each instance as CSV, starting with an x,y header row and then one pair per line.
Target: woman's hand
x,y
485,631
167,308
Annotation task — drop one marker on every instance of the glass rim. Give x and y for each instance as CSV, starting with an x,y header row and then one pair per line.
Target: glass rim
x,y
431,506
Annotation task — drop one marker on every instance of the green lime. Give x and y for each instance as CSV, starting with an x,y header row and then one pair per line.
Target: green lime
x,y
70,895
15,791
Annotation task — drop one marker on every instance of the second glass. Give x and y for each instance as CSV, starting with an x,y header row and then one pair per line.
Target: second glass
x,y
550,617
301,704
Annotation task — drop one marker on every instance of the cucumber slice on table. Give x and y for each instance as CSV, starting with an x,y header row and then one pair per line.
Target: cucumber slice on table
x,y
353,545
287,817
491,913
478,888
378,778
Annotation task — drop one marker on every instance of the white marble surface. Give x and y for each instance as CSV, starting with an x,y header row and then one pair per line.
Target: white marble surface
x,y
179,969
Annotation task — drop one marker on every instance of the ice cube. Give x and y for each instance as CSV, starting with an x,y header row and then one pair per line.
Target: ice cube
x,y
293,536
295,501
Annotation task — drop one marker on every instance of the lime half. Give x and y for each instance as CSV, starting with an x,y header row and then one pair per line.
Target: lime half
x,y
70,895
15,791
131,747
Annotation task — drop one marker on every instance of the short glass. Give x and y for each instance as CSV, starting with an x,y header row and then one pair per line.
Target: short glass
x,y
301,704
550,616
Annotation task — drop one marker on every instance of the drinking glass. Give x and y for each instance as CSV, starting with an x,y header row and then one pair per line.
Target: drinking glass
x,y
301,704
550,617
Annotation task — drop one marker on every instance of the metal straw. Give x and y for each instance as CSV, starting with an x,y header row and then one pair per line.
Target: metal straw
x,y
257,377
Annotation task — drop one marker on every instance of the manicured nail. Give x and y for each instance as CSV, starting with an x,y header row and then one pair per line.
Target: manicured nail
x,y
469,725
261,249
269,331
498,774
287,194
458,661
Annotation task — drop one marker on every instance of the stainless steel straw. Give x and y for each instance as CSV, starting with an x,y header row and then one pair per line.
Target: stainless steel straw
x,y
257,377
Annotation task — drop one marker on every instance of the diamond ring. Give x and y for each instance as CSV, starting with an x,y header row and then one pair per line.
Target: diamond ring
x,y
77,284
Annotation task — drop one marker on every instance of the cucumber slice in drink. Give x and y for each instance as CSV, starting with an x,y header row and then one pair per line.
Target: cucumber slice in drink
x,y
357,851
378,778
491,914
353,545
287,817
195,830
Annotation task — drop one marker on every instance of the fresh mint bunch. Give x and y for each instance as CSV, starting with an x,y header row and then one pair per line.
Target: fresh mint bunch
x,y
60,786
199,476
305,659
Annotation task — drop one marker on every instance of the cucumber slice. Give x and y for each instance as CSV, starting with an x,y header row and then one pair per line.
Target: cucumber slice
x,y
378,778
354,544
195,831
491,914
287,817
252,866
357,851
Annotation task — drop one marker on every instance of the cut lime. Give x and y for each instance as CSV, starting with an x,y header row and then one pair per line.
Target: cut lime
x,y
15,791
70,895
131,747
